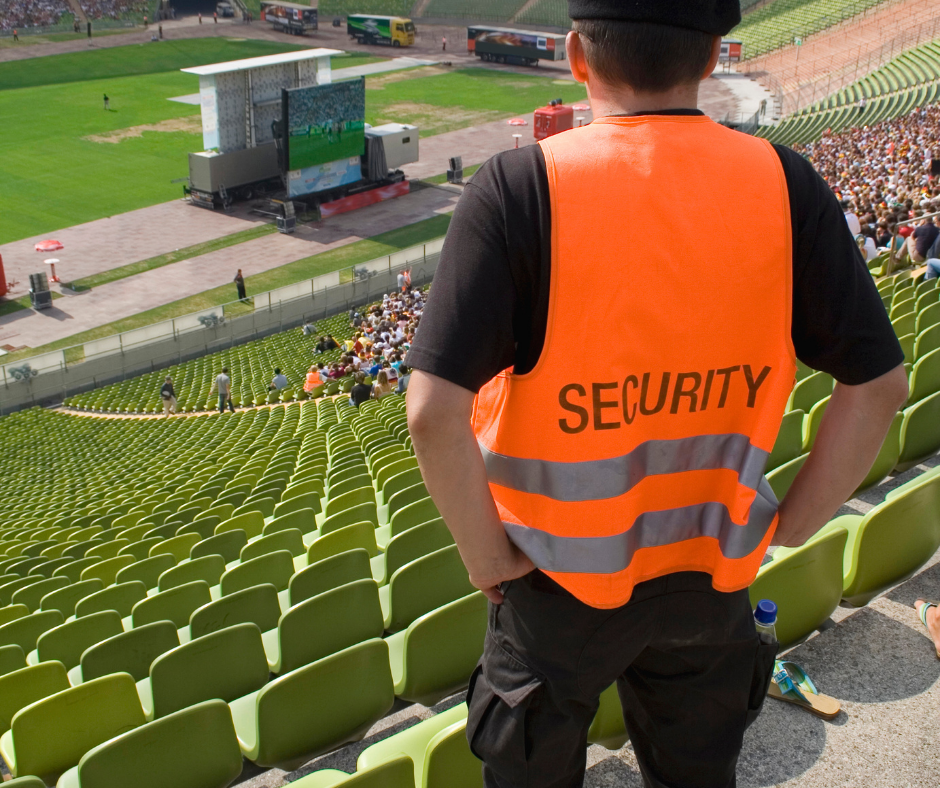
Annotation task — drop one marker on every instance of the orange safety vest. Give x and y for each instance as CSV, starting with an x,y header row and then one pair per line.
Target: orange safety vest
x,y
674,232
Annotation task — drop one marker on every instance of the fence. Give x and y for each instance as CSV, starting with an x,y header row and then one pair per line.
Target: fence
x,y
67,27
53,376
827,74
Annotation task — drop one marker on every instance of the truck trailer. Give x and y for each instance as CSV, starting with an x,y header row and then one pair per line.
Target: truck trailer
x,y
395,31
290,17
516,47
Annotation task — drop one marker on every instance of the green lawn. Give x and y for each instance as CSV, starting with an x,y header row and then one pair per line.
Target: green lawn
x,y
442,178
438,102
8,305
52,176
343,257
7,42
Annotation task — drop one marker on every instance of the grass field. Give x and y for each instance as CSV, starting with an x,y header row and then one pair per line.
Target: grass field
x,y
307,268
52,175
437,99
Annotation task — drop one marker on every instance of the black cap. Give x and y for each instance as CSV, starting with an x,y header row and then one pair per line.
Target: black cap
x,y
715,17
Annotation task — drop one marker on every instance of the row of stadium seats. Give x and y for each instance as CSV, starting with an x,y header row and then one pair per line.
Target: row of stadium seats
x,y
251,368
778,23
908,82
221,637
474,10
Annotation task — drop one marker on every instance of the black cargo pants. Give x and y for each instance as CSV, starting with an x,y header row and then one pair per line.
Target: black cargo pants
x,y
690,671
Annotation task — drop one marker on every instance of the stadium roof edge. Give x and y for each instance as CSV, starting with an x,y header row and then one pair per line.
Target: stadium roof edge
x,y
260,62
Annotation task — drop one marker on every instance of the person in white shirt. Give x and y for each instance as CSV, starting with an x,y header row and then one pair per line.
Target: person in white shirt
x,y
223,384
279,382
851,219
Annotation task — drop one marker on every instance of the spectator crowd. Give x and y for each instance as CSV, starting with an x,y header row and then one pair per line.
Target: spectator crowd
x,y
16,14
113,9
882,174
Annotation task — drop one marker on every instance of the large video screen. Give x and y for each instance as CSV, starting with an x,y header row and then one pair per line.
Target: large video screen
x,y
325,123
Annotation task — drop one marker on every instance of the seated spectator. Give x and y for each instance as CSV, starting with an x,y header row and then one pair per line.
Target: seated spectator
x,y
403,379
361,391
320,346
312,380
279,382
382,387
307,329
922,239
331,343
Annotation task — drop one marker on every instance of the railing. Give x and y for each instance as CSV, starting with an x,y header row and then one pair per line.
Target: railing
x,y
828,74
55,375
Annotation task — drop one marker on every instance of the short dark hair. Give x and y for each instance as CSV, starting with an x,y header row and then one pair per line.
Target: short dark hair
x,y
277,371
225,370
648,57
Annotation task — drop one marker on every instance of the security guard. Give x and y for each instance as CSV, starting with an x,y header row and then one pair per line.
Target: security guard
x,y
599,378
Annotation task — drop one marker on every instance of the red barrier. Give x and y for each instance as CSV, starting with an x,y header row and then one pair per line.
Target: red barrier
x,y
363,199
3,279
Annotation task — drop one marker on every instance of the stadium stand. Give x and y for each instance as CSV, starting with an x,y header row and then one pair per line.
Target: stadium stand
x,y
31,13
474,11
909,81
329,8
777,24
251,367
550,13
115,9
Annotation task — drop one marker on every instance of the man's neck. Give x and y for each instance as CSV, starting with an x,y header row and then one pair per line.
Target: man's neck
x,y
606,102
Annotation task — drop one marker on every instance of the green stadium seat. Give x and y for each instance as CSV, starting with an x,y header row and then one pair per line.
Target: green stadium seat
x,y
32,595
176,605
329,573
607,728
67,642
275,568
782,477
25,631
325,624
256,605
395,773
422,586
290,539
435,655
227,544
20,688
106,571
51,735
147,571
805,583
128,652
120,598
226,664
11,658
252,523
410,545
194,748
209,569
920,432
316,708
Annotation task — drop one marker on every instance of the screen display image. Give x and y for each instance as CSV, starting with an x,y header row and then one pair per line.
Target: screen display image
x,y
513,39
325,123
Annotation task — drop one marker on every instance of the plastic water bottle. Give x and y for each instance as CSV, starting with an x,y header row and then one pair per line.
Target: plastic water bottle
x,y
765,619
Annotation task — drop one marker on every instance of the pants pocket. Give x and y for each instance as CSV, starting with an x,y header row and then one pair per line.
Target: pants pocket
x,y
760,679
502,689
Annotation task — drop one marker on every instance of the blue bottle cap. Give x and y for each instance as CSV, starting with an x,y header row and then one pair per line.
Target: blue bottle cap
x,y
766,612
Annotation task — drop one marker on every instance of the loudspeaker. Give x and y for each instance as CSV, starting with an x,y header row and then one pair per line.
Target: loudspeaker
x,y
935,167
40,300
456,162
455,176
38,283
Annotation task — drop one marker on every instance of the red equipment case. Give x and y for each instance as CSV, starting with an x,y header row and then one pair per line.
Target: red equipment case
x,y
552,119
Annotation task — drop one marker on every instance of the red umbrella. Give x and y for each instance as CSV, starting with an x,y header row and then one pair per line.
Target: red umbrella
x,y
518,122
580,107
49,246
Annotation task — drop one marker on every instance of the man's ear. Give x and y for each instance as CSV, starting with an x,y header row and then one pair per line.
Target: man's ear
x,y
575,53
713,60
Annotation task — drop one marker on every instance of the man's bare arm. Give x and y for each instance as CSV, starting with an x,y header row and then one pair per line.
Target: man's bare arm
x,y
849,439
439,421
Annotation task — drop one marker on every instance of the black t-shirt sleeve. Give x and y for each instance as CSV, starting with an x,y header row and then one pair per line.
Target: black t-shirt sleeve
x,y
840,325
489,302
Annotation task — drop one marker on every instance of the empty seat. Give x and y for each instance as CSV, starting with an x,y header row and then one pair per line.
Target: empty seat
x,y
352,514
65,599
22,687
178,546
252,523
106,571
410,545
209,569
128,652
11,658
303,520
257,604
25,631
325,624
176,604
53,734
436,654
350,537
423,585
290,539
395,773
193,748
805,583
329,573
66,642
275,568
120,598
147,571
227,544
227,664
316,708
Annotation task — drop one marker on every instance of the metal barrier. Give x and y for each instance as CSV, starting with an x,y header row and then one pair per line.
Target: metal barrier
x,y
51,377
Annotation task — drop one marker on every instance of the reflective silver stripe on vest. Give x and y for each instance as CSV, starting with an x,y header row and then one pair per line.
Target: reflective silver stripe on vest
x,y
610,554
594,480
